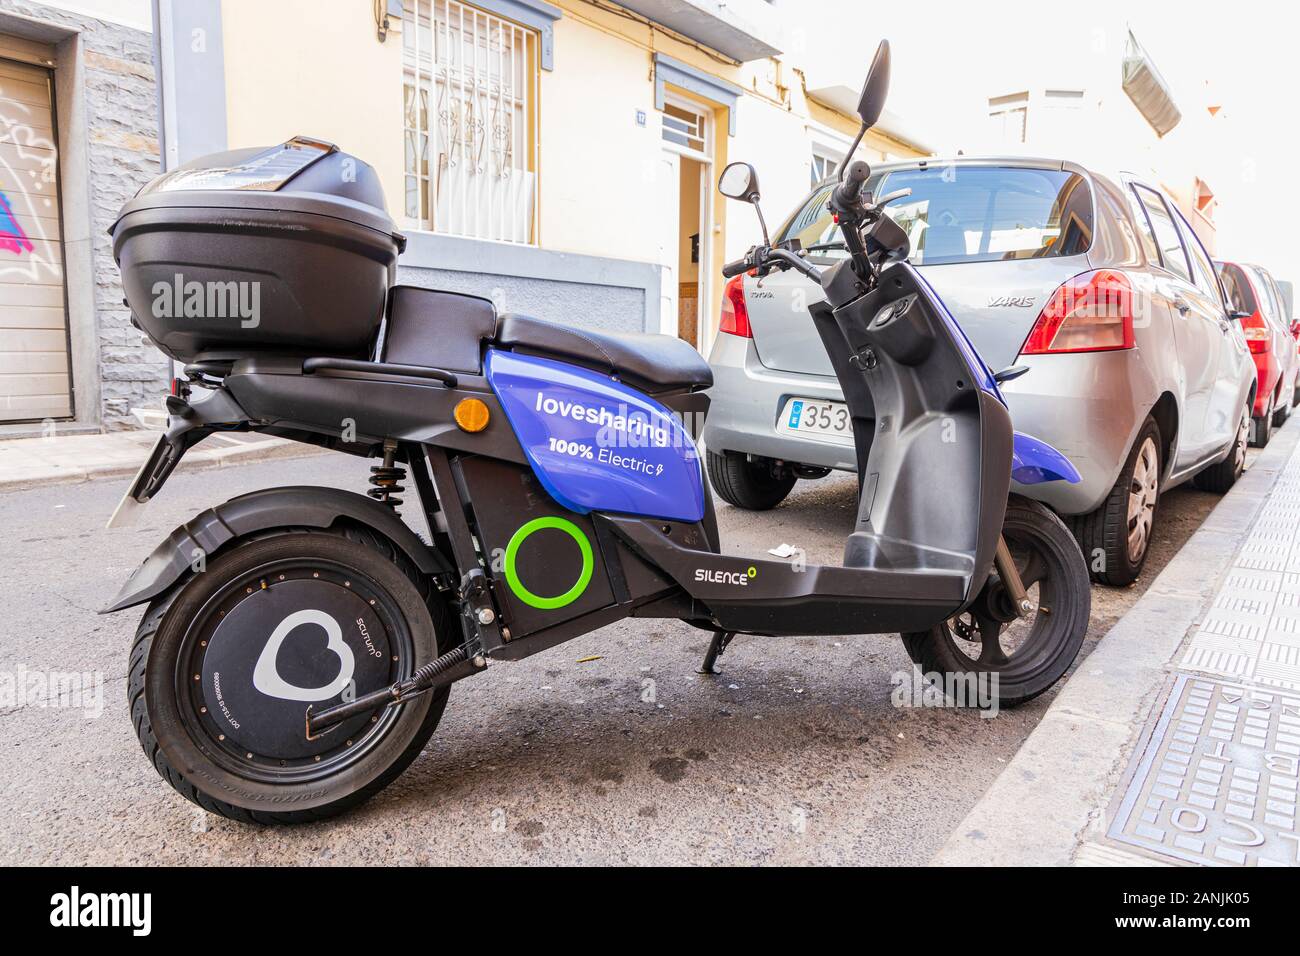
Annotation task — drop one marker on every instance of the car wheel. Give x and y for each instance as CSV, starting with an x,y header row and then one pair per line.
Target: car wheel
x,y
753,485
1261,426
1115,538
1221,477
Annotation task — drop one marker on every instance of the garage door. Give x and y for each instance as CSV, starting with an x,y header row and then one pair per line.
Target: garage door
x,y
34,378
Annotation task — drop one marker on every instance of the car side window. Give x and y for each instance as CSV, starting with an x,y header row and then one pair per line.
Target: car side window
x,y
1172,254
1272,302
1144,232
1202,268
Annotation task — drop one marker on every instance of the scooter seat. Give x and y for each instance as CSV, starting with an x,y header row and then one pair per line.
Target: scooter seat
x,y
658,362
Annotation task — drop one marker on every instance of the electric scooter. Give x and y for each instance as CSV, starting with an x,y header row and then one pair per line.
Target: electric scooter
x,y
299,643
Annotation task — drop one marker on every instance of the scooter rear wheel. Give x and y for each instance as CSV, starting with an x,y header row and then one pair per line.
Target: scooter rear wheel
x,y
1015,659
225,665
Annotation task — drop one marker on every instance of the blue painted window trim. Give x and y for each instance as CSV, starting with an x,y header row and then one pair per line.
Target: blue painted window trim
x,y
538,14
668,70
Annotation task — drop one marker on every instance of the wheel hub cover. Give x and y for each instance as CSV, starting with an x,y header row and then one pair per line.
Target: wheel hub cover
x,y
283,648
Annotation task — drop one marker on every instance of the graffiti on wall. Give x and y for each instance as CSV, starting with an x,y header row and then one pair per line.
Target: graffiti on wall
x,y
12,236
29,211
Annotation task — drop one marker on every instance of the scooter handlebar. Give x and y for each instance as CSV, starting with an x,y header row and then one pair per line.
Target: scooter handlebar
x,y
855,177
733,269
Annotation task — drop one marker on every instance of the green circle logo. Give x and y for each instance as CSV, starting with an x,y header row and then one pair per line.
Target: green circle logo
x,y
512,552
752,572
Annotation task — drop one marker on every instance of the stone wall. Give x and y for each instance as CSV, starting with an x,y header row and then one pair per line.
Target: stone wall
x,y
122,154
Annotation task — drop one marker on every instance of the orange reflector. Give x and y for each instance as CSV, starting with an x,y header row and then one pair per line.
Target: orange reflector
x,y
471,415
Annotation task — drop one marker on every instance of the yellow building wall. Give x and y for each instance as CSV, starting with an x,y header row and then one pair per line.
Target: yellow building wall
x,y
315,68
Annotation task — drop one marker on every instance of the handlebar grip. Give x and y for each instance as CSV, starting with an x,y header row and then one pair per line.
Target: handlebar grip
x,y
855,177
733,269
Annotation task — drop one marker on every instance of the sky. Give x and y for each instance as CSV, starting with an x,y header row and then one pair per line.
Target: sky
x,y
949,57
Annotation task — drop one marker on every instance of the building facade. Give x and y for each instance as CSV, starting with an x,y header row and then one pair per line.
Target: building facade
x,y
78,137
1105,102
559,157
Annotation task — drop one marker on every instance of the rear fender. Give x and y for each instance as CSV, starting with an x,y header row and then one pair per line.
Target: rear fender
x,y
292,507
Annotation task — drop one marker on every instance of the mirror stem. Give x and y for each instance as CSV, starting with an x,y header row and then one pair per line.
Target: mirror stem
x,y
762,222
853,148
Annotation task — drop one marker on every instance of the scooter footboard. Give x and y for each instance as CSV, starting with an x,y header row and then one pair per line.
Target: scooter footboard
x,y
762,596
937,475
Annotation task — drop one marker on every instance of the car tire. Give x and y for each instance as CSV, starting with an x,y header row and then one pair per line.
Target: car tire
x,y
1113,538
752,485
1261,427
1219,478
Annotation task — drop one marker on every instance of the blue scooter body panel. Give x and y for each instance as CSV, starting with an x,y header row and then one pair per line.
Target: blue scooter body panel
x,y
594,443
1033,462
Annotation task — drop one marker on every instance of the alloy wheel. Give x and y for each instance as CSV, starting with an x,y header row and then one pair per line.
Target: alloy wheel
x,y
1243,439
1144,490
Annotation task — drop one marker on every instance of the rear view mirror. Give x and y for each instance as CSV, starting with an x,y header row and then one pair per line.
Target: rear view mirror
x,y
876,88
739,181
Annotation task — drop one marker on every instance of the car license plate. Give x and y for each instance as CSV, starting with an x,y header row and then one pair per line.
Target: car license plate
x,y
825,421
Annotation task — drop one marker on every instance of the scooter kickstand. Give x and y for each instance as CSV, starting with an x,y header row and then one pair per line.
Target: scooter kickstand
x,y
716,646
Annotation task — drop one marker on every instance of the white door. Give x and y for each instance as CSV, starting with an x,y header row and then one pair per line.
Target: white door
x,y
34,380
669,191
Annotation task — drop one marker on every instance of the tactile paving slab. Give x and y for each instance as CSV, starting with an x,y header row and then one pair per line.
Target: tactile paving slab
x,y
1252,632
1218,779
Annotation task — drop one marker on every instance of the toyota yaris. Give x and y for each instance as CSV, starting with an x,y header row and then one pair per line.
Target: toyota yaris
x,y
1092,286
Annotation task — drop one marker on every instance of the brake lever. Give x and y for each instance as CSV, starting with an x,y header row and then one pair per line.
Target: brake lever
x,y
896,195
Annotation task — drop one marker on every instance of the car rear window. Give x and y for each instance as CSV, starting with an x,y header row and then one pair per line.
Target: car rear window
x,y
968,214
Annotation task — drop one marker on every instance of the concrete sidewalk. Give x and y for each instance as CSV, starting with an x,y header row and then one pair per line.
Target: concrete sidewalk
x,y
34,462
1177,741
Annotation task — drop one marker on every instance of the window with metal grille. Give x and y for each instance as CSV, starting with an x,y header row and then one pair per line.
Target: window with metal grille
x,y
468,121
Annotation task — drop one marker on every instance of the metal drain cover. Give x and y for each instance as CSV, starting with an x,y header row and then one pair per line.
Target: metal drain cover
x,y
1217,782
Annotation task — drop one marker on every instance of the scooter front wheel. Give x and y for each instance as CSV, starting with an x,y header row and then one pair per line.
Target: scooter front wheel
x,y
225,665
990,651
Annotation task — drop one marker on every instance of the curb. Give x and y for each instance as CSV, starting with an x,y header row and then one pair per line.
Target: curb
x,y
1059,784
40,471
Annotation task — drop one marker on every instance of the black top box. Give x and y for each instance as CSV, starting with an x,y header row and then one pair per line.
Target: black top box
x,y
286,249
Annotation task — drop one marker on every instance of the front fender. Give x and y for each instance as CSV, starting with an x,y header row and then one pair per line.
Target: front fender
x,y
292,507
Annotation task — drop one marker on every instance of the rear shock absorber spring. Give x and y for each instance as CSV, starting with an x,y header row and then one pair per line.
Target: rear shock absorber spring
x,y
387,478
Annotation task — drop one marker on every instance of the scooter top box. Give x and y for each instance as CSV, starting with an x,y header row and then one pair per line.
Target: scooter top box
x,y
288,248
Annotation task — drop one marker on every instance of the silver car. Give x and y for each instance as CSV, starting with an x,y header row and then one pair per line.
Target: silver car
x,y
1094,283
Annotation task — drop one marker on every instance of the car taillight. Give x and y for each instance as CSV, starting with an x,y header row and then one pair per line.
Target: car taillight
x,y
1256,332
1092,312
735,314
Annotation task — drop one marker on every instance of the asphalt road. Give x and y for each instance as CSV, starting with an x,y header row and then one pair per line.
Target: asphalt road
x,y
794,755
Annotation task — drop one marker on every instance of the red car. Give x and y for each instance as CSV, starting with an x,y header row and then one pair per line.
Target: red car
x,y
1255,297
